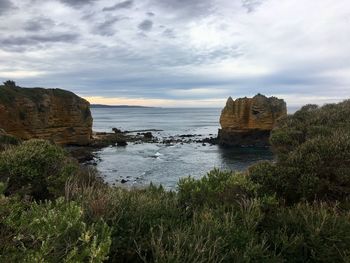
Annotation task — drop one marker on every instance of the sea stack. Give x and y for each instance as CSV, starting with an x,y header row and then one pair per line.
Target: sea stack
x,y
52,114
249,121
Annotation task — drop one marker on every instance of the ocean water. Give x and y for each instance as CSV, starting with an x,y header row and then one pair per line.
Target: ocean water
x,y
141,164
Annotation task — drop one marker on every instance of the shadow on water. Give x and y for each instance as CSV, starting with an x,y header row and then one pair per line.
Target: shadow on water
x,y
242,157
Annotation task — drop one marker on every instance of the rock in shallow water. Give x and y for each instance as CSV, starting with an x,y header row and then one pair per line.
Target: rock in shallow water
x,y
249,121
122,143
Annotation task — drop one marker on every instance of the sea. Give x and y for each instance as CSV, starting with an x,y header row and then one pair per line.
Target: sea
x,y
139,164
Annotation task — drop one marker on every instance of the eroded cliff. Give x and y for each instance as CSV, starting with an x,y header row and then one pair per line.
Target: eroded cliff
x,y
52,114
248,121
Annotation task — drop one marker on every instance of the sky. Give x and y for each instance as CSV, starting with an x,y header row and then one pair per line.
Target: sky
x,y
179,53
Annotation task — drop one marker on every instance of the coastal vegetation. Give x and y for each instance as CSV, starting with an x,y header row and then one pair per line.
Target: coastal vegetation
x,y
295,209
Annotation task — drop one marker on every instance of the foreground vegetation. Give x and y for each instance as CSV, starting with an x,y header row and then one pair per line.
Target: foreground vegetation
x,y
295,209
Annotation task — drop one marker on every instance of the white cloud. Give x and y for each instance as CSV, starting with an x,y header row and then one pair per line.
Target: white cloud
x,y
18,74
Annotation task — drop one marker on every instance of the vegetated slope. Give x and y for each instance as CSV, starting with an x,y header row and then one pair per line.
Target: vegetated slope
x,y
313,155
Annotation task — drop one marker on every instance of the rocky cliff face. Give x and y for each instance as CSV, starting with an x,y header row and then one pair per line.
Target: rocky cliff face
x,y
248,121
52,114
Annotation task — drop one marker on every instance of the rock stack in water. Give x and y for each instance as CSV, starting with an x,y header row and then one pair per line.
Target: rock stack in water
x,y
249,121
52,114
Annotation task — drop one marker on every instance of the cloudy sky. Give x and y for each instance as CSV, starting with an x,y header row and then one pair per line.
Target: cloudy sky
x,y
179,52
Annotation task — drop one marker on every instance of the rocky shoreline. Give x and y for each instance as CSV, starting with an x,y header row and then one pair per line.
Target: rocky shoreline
x,y
118,138
64,118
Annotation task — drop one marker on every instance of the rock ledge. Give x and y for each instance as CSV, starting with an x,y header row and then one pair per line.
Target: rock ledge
x,y
53,114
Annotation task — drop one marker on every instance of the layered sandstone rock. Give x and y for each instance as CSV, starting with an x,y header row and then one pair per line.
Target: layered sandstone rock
x,y
249,121
52,114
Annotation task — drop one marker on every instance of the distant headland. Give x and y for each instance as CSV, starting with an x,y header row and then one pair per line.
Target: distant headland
x,y
117,106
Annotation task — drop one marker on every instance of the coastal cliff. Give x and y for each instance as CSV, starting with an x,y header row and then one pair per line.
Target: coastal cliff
x,y
249,121
52,114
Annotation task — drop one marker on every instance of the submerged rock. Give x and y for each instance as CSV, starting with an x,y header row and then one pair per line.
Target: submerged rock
x,y
116,130
148,135
122,143
249,121
53,114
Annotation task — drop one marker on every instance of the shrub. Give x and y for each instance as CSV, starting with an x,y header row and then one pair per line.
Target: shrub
x,y
36,168
7,140
10,84
215,189
309,122
53,232
132,215
153,225
309,233
214,236
313,155
265,174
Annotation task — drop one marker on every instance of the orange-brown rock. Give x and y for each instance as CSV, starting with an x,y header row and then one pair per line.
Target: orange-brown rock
x,y
249,121
52,114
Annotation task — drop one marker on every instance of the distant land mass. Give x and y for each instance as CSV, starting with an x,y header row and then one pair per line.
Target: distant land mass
x,y
117,106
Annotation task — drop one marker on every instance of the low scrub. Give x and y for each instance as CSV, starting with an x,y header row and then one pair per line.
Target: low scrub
x,y
7,141
313,156
37,169
96,223
216,189
50,232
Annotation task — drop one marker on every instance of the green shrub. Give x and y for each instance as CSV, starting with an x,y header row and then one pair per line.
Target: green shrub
x,y
215,189
214,236
132,215
313,155
309,233
8,139
52,232
264,173
10,84
36,168
153,225
3,187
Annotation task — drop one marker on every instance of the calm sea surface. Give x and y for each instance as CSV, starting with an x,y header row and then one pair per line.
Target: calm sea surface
x,y
140,164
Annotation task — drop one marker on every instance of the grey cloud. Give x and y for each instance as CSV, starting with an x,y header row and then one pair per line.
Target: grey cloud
x,y
150,14
54,38
23,42
121,5
146,25
77,3
106,28
5,5
251,5
187,9
38,24
169,33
